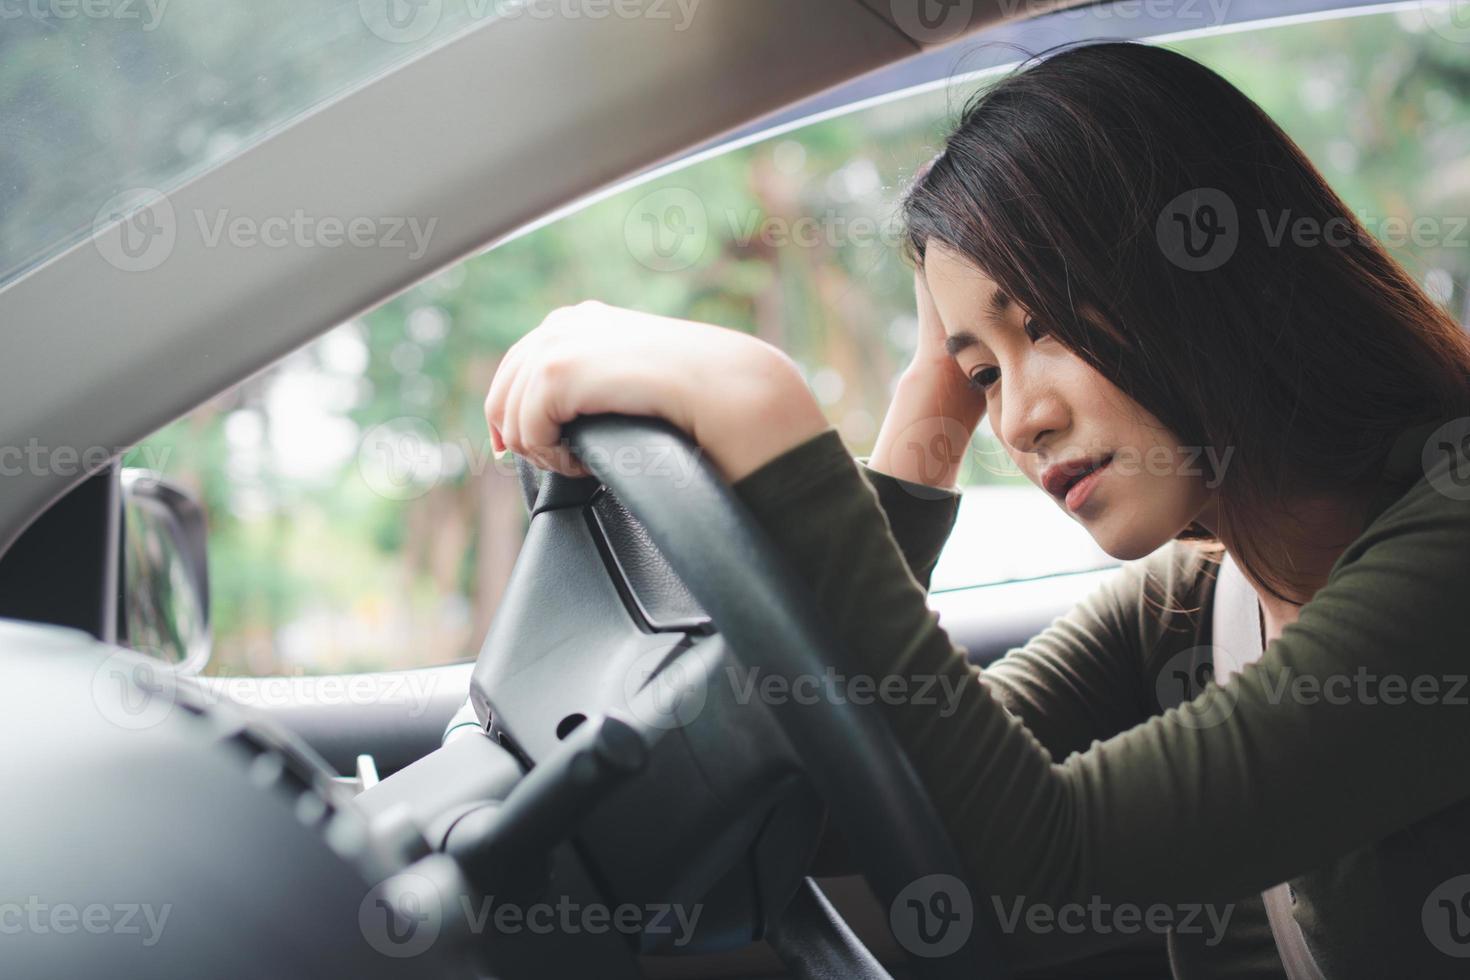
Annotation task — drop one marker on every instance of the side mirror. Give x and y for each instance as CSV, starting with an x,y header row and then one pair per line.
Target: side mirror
x,y
165,571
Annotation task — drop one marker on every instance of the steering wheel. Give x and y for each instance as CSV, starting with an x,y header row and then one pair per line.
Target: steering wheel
x,y
709,592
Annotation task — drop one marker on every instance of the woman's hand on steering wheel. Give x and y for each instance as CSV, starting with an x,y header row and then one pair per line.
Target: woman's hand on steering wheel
x,y
740,399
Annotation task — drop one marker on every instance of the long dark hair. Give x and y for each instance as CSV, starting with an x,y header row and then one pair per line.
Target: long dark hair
x,y
1144,210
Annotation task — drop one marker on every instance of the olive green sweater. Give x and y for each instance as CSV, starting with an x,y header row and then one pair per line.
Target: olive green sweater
x,y
1082,790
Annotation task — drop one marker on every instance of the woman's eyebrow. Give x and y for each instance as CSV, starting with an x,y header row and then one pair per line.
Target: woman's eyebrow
x,y
997,306
995,310
958,341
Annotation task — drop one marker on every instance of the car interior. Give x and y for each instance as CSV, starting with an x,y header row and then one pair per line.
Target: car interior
x,y
494,816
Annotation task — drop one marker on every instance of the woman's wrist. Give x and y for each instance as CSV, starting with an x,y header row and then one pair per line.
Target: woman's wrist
x,y
925,432
758,411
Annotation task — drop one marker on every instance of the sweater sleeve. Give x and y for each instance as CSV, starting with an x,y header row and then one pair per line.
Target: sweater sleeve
x,y
920,518
1167,812
1084,677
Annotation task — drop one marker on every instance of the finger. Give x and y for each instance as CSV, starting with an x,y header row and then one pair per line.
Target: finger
x,y
528,353
505,374
536,432
556,400
924,301
931,328
543,415
510,429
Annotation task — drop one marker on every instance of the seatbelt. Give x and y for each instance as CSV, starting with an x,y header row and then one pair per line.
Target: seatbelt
x,y
1236,631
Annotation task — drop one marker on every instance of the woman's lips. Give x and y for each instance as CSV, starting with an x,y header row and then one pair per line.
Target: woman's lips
x,y
1078,492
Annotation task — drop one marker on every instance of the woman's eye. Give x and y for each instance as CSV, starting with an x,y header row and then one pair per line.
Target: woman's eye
x,y
983,378
1034,330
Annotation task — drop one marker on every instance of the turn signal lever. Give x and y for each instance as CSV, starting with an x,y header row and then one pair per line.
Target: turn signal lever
x,y
505,848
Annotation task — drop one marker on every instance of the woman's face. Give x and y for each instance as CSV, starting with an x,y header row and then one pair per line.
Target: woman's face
x,y
1048,406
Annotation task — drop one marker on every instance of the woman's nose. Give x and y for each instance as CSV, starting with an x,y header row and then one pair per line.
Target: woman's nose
x,y
1032,419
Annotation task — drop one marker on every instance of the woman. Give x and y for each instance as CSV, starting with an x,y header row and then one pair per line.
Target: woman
x,y
1114,262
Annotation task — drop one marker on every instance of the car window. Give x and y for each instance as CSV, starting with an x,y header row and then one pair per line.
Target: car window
x,y
360,522
104,97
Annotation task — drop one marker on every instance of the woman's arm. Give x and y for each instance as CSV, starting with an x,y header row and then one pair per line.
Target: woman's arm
x,y
1173,810
921,444
920,518
1079,680
1170,811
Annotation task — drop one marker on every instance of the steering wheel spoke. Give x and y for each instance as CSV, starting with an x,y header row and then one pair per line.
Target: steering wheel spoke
x,y
814,942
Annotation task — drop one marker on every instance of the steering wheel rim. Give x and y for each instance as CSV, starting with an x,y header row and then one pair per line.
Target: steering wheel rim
x,y
772,623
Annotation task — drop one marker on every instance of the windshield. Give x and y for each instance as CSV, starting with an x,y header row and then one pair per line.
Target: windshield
x,y
102,98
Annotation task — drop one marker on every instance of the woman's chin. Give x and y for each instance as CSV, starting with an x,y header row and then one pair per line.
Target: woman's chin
x,y
1129,543
1135,526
